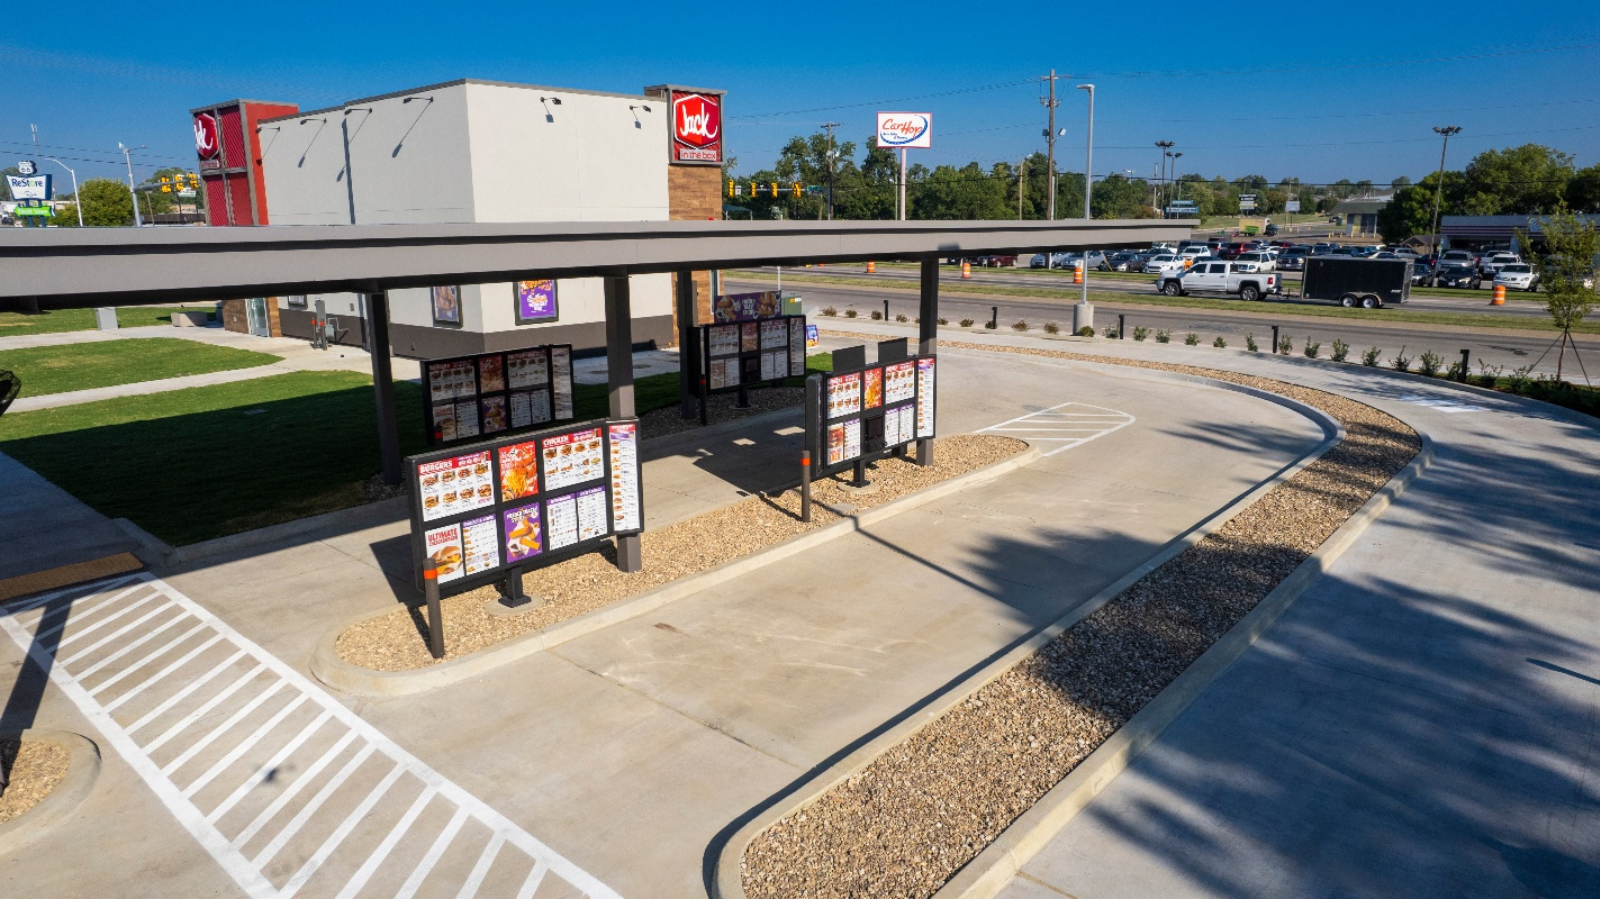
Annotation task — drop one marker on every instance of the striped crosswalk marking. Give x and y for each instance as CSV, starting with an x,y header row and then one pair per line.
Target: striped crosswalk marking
x,y
292,793
1065,426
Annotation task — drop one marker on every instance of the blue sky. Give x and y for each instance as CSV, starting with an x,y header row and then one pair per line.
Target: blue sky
x,y
1315,91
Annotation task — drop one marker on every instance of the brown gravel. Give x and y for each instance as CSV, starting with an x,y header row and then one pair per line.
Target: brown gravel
x,y
398,641
35,769
915,815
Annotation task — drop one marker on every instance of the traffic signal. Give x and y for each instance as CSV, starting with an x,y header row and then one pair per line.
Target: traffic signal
x,y
166,185
194,182
774,190
730,189
796,187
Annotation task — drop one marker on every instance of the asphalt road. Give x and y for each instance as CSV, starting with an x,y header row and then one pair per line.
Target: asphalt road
x,y
1465,301
1497,347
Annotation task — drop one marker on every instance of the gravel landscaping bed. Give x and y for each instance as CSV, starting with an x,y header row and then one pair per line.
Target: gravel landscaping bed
x,y
36,768
398,641
902,826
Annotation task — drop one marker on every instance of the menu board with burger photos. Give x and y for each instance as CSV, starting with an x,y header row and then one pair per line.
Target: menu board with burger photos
x,y
753,352
525,501
868,413
475,397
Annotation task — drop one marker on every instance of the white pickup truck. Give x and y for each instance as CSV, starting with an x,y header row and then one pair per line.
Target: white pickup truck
x,y
1215,276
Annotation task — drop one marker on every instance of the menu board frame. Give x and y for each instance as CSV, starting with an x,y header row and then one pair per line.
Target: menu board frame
x,y
617,478
746,353
892,409
443,385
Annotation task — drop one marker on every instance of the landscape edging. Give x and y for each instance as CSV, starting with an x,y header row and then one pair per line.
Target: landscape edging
x,y
83,770
349,678
726,878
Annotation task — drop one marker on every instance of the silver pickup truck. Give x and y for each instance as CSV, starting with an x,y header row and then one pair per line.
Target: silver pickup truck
x,y
1214,276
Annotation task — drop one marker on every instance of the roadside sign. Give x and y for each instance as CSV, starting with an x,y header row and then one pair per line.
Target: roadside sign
x,y
1291,206
1247,202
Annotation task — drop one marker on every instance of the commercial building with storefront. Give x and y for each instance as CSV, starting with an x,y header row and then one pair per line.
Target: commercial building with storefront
x,y
472,151
1495,232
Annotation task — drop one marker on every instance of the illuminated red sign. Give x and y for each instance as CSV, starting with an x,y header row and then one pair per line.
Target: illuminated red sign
x,y
696,127
207,142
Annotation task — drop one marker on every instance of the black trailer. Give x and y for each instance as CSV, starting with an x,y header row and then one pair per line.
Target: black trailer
x,y
1368,283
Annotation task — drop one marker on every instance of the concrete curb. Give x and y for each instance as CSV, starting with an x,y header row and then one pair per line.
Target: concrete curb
x,y
83,770
989,871
726,878
334,672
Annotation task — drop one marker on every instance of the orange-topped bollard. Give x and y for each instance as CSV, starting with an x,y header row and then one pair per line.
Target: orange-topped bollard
x,y
966,269
872,267
1077,272
1499,296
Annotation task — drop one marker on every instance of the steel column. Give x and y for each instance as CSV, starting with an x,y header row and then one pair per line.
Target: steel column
x,y
928,335
619,385
383,386
688,347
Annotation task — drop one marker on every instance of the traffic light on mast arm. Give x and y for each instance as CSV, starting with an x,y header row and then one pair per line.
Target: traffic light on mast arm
x,y
774,190
730,189
796,188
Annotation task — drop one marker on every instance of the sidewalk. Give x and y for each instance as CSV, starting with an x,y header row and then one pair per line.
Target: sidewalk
x,y
49,538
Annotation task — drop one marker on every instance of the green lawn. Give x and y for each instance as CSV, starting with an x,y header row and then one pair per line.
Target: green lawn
x,y
211,461
79,367
59,320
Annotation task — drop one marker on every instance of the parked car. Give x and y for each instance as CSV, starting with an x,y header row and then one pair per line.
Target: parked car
x,y
1367,283
1216,276
995,261
1196,251
1096,260
1517,276
1164,263
1255,261
1039,261
1456,274
1459,258
1122,262
1421,273
1292,260
1491,262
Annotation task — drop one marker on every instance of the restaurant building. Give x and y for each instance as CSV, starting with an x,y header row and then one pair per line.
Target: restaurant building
x,y
472,151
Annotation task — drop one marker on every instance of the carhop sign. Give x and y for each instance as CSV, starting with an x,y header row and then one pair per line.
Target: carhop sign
x,y
904,129
696,128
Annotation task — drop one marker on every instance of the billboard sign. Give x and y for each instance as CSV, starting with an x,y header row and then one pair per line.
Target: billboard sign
x,y
207,139
696,128
1247,202
29,187
1291,206
905,129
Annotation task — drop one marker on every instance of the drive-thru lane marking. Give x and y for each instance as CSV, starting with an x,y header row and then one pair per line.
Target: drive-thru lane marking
x,y
1068,424
230,739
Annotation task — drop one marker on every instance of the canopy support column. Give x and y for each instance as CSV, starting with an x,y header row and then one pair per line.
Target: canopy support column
x,y
619,384
383,386
928,336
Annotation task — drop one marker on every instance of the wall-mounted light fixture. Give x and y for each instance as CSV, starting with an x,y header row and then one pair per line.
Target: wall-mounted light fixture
x,y
635,110
549,102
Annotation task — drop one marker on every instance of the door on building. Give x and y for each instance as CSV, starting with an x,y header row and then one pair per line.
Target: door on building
x,y
256,315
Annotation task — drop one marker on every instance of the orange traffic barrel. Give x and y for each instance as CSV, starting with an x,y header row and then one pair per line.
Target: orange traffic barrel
x,y
1499,296
1077,272
966,269
872,267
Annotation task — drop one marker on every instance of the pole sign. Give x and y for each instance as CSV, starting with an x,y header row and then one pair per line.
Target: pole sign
x,y
905,129
1247,202
29,187
27,167
696,128
207,141
1291,206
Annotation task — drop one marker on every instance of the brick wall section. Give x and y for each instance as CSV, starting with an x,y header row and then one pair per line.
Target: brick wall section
x,y
694,193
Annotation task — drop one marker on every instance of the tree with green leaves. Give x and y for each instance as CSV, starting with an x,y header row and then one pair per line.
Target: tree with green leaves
x,y
1567,272
106,202
964,193
1527,180
1583,191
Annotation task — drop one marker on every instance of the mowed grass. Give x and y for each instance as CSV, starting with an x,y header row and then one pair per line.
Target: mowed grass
x,y
59,320
79,367
206,462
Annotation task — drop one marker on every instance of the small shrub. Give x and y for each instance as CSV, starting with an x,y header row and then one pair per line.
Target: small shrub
x,y
851,314
1086,331
1456,371
1401,362
876,315
1370,358
917,320
1191,339
942,321
1140,332
1429,363
902,317
1163,336
1250,342
1220,343
967,323
989,325
1518,380
1341,350
1285,345
1052,328
829,311
1489,376
1112,332
1019,325
1311,350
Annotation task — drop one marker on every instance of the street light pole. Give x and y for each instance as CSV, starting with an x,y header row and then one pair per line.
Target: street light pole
x,y
830,126
1088,162
1438,192
127,156
76,200
1161,180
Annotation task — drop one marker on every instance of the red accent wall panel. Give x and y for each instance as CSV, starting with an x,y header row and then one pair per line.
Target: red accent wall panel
x,y
216,210
253,114
239,187
233,145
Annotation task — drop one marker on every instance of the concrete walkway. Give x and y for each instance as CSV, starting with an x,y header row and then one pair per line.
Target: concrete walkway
x,y
626,752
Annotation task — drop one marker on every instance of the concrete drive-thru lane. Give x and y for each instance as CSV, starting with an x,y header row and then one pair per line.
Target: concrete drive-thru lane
x,y
627,751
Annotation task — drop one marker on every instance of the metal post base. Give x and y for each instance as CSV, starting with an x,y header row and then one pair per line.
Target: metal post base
x,y
925,452
630,553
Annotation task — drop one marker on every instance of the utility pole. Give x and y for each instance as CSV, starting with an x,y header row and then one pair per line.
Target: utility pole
x,y
1438,192
1161,179
1088,166
830,126
1050,141
127,156
1022,184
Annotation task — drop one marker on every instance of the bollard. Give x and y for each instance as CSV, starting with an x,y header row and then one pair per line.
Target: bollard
x,y
805,485
430,591
994,317
1499,296
1466,359
886,310
1122,327
1077,272
1274,339
966,269
872,267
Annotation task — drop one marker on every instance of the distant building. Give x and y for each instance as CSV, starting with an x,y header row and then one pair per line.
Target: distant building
x,y
1361,213
1494,232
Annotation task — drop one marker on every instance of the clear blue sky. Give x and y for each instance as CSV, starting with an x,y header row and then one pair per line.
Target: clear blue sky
x,y
1316,91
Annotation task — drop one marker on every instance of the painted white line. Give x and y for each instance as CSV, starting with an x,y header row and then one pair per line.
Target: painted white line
x,y
200,713
311,807
485,860
179,697
292,790
431,858
176,664
532,883
78,615
1076,428
243,747
116,634
370,867
227,724
148,658
127,648
310,866
261,774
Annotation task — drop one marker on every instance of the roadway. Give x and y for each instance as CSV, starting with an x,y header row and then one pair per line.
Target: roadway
x,y
1505,347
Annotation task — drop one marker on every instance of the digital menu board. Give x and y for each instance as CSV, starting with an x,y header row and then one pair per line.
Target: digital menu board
x,y
495,393
483,511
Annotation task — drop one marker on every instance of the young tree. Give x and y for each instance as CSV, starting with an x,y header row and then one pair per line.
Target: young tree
x,y
1566,272
106,202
